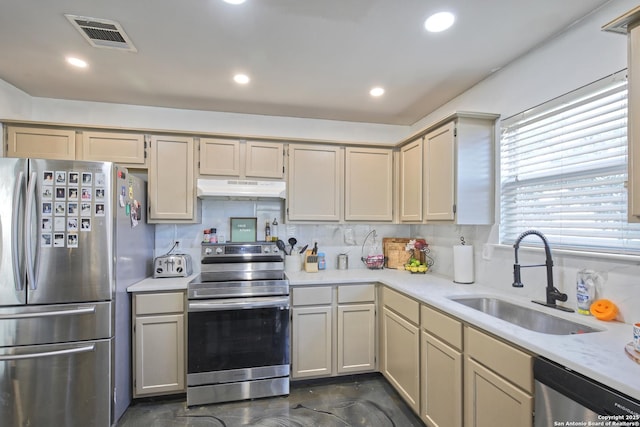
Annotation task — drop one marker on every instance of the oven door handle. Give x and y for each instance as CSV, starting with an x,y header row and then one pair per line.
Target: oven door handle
x,y
239,304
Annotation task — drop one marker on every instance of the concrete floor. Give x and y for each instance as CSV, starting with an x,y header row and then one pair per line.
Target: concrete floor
x,y
364,400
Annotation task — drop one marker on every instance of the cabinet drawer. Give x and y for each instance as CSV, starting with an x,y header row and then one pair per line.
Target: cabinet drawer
x,y
442,326
316,295
356,293
401,304
507,361
167,302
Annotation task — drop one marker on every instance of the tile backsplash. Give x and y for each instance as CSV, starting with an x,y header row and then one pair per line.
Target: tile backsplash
x,y
493,263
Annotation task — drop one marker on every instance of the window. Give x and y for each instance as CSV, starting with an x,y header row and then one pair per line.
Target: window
x,y
563,168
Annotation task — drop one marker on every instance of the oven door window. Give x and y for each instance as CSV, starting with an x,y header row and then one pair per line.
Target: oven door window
x,y
235,339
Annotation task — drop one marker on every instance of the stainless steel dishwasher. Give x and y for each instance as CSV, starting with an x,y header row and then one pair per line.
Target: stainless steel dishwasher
x,y
564,396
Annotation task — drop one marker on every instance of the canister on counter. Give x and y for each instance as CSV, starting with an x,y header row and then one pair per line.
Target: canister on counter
x,y
343,262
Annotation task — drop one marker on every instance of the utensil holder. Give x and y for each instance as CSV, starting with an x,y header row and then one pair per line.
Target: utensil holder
x,y
310,262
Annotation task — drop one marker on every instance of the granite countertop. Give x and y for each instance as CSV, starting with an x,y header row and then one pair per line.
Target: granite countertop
x,y
599,355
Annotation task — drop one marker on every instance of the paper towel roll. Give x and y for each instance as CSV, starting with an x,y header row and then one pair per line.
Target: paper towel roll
x,y
463,264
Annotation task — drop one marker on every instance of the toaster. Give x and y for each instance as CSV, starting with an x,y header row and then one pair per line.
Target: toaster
x,y
172,265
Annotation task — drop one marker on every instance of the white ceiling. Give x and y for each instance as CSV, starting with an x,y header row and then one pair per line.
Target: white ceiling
x,y
306,58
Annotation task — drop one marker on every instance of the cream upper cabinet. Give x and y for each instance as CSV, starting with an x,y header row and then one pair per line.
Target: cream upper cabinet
x,y
633,126
41,142
127,149
171,179
410,199
314,185
264,160
498,379
159,344
219,157
439,177
368,184
458,161
243,159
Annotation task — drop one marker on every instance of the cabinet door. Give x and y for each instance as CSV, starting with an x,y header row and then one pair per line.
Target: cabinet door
x,y
439,173
159,355
219,157
171,178
41,143
441,383
264,160
411,181
315,182
401,359
368,184
123,148
491,401
311,341
356,338
633,126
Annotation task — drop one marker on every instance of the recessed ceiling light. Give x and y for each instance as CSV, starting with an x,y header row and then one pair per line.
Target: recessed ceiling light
x,y
77,62
376,91
242,79
439,22
234,1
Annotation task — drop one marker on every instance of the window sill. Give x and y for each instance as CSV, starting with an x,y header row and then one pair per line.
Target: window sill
x,y
573,253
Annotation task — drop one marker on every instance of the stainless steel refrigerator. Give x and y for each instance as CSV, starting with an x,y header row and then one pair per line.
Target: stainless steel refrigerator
x,y
73,236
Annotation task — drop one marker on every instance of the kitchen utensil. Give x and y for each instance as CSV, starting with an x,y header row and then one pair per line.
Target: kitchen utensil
x,y
304,249
315,248
282,247
292,242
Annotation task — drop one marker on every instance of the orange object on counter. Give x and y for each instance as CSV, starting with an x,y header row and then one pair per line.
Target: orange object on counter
x,y
603,309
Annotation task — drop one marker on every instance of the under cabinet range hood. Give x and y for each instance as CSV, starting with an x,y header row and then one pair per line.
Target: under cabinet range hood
x,y
241,189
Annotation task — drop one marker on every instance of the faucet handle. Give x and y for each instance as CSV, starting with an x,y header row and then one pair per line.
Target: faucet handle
x,y
517,281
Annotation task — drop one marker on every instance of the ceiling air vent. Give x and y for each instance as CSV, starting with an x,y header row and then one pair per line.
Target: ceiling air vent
x,y
102,33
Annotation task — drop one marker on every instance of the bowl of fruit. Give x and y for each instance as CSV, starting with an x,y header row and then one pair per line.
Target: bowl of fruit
x,y
414,266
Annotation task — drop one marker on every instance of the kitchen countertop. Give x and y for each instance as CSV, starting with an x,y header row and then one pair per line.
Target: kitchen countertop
x,y
598,355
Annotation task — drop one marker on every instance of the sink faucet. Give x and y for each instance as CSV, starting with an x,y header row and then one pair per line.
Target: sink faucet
x,y
553,294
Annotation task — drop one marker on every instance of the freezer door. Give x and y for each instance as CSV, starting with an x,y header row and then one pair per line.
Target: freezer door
x,y
13,178
69,252
47,324
62,385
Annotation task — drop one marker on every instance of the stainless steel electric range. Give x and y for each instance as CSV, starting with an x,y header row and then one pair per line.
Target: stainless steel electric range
x,y
238,324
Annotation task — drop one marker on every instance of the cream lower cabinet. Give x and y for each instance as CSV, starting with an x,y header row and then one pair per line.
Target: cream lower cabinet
x,y
498,382
442,368
171,180
356,334
333,330
158,344
400,345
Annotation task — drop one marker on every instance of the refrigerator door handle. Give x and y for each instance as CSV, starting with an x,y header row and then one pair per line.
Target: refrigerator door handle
x,y
28,227
38,314
17,190
66,351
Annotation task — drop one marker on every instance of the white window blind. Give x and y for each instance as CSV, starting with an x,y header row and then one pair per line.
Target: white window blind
x,y
563,170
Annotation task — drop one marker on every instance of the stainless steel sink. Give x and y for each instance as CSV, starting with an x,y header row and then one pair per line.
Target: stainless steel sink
x,y
524,317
